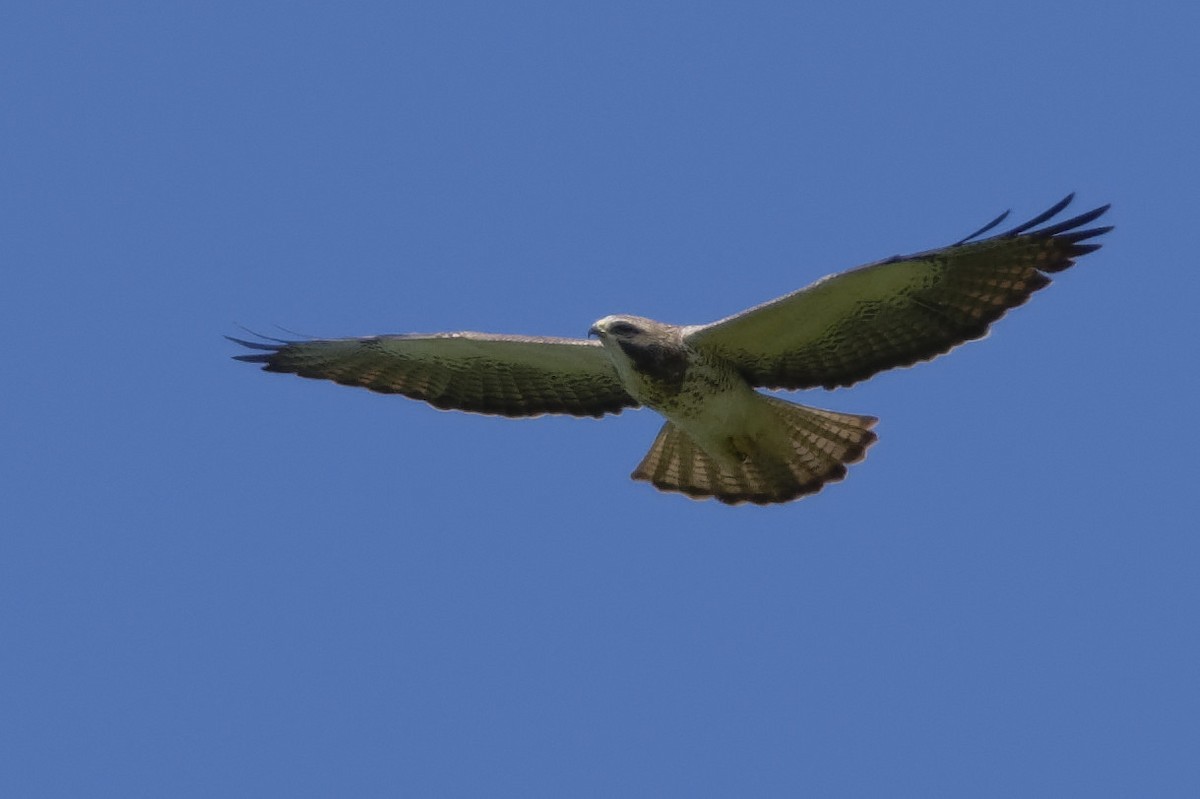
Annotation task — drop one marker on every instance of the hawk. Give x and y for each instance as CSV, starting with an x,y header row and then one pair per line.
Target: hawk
x,y
722,438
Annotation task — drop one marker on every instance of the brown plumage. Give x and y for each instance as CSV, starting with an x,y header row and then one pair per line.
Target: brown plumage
x,y
722,439
821,444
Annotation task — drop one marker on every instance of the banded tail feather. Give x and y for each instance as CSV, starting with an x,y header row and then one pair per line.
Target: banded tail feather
x,y
820,445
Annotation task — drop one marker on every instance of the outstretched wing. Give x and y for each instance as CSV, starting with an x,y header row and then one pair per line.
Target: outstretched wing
x,y
845,328
505,375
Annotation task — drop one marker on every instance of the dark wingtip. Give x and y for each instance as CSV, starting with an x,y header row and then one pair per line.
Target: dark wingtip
x,y
258,345
1057,229
1077,222
985,228
269,350
1044,216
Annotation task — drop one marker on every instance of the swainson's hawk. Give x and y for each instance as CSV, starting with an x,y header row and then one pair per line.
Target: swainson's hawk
x,y
722,438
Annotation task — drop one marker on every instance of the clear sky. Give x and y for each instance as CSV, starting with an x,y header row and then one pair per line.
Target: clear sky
x,y
220,582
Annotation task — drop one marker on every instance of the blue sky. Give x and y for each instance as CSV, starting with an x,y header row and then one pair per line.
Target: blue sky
x,y
218,582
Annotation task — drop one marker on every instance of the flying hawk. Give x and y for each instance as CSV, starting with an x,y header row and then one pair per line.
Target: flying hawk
x,y
722,438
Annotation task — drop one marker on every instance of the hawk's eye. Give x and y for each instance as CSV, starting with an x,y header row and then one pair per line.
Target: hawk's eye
x,y
622,329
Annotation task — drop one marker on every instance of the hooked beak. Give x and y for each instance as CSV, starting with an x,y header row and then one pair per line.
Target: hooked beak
x,y
595,330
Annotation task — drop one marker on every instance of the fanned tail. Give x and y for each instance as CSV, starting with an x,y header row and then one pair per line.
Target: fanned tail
x,y
822,443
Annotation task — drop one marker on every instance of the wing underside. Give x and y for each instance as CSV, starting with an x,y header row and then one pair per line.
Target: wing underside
x,y
847,327
482,373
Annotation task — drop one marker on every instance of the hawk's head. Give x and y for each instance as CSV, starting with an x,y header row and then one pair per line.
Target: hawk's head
x,y
627,329
652,349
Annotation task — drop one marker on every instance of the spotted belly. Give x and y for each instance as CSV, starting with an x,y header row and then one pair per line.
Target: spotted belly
x,y
721,412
